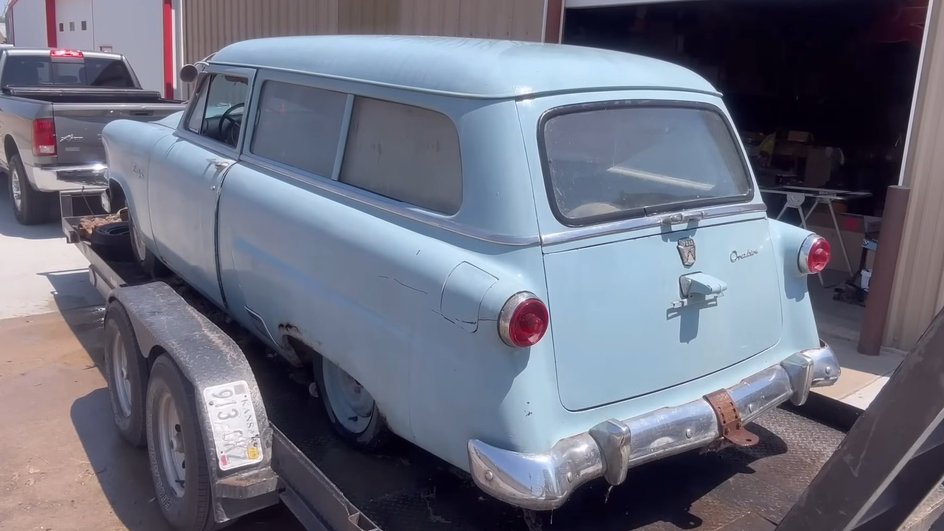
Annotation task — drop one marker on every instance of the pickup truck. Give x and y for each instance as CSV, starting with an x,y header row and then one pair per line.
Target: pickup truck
x,y
53,106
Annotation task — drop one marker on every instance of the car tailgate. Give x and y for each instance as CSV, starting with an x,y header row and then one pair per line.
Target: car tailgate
x,y
79,126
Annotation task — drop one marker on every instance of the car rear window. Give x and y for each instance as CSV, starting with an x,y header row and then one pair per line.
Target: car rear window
x,y
38,71
619,161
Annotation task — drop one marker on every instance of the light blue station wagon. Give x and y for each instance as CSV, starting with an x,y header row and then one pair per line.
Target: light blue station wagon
x,y
544,264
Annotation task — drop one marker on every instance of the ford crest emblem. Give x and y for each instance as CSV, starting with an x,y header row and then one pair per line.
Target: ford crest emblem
x,y
686,249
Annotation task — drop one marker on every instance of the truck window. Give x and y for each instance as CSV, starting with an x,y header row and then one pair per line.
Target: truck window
x,y
218,108
33,71
299,126
607,161
405,153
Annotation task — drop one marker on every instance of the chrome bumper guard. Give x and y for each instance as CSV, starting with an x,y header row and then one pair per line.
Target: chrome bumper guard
x,y
544,481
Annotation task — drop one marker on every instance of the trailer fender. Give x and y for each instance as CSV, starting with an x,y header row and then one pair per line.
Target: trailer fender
x,y
164,322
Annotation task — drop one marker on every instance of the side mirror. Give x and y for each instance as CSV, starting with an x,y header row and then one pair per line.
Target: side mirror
x,y
188,73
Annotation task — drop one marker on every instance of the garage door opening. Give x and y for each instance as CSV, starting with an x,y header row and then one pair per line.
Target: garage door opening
x,y
821,92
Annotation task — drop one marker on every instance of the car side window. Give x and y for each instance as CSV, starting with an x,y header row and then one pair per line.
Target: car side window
x,y
299,126
221,104
405,153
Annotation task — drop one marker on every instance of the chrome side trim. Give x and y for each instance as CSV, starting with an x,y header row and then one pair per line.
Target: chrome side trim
x,y
413,214
544,481
626,225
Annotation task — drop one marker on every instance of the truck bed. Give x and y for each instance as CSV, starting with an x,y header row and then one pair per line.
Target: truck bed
x,y
87,94
405,488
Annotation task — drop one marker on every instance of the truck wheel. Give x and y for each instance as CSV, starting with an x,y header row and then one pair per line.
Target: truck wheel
x,y
351,409
175,449
126,373
146,259
30,206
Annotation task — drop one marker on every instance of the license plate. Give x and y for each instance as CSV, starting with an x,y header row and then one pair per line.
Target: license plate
x,y
233,422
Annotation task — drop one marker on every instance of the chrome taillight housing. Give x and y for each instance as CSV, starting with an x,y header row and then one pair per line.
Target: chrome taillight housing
x,y
814,255
523,320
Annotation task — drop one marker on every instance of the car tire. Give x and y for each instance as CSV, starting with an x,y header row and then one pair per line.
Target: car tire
x,y
30,206
113,241
151,264
175,449
126,374
369,430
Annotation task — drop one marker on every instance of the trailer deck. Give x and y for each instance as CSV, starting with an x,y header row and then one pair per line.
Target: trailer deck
x,y
328,485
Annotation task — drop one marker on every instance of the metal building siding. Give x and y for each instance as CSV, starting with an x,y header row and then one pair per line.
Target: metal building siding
x,y
212,24
918,292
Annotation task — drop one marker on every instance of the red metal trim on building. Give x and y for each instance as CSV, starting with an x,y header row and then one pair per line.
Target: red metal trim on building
x,y
168,49
554,23
51,37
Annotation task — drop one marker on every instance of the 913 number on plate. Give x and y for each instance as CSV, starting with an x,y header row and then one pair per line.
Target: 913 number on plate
x,y
233,422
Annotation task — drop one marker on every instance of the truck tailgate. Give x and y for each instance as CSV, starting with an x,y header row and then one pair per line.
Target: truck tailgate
x,y
79,126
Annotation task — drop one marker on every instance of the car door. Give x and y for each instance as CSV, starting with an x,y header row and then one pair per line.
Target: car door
x,y
185,180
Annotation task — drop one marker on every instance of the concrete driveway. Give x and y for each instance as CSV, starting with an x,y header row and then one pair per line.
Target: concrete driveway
x,y
63,465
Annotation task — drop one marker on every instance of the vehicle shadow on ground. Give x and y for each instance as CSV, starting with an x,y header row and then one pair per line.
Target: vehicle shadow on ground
x,y
9,226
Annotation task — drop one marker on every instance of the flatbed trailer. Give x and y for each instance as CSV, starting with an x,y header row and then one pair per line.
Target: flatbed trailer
x,y
330,486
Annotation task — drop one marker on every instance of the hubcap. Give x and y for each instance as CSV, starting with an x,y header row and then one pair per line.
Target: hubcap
x,y
352,404
170,438
15,189
119,367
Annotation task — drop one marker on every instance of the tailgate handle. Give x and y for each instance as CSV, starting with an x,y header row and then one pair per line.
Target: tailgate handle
x,y
141,113
701,284
699,287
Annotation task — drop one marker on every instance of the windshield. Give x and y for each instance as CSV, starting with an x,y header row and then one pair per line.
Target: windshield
x,y
40,71
611,162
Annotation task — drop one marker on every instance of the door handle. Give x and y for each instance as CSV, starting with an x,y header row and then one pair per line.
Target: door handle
x,y
222,164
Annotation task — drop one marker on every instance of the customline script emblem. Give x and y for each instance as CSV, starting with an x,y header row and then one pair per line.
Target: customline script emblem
x,y
686,249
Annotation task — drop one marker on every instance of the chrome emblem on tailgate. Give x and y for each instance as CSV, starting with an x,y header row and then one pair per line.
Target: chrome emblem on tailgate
x,y
686,249
70,138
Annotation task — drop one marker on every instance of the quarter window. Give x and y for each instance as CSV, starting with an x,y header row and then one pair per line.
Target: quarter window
x,y
404,153
219,107
299,126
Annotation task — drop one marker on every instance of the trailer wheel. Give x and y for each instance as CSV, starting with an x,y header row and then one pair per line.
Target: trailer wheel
x,y
30,206
175,449
126,373
350,408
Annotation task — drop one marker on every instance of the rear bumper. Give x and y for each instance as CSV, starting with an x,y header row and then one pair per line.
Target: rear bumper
x,y
81,178
544,481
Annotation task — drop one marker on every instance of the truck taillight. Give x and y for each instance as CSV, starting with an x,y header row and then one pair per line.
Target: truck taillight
x,y
814,255
44,137
523,320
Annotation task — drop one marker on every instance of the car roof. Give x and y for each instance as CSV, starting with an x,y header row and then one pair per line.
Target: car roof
x,y
478,68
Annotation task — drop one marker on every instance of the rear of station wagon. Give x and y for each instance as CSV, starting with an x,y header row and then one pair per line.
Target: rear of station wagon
x,y
546,264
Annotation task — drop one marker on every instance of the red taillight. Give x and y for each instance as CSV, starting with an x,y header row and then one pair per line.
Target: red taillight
x,y
44,137
523,320
814,255
66,54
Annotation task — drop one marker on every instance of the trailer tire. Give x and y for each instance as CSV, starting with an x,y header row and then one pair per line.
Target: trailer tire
x,y
126,374
30,206
367,432
173,433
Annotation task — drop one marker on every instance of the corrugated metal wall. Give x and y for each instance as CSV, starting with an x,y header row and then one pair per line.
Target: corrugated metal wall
x,y
211,24
918,292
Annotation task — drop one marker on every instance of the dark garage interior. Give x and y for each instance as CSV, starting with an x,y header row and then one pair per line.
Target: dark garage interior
x,y
831,79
